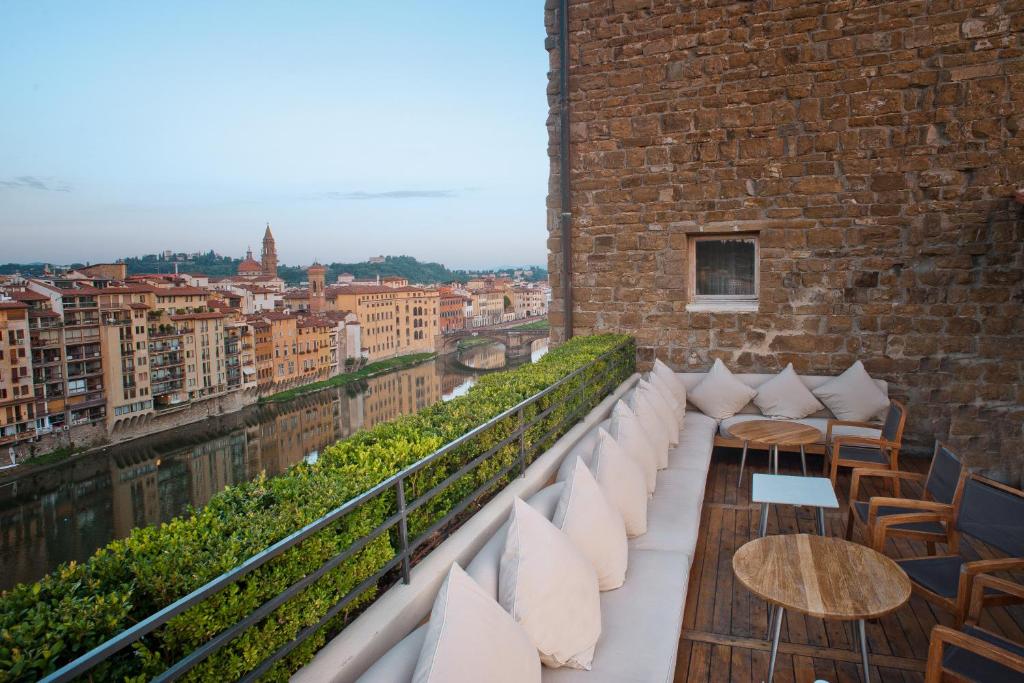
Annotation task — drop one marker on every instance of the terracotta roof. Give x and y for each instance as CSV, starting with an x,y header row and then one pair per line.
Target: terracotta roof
x,y
138,306
181,291
27,295
297,294
13,304
197,316
130,289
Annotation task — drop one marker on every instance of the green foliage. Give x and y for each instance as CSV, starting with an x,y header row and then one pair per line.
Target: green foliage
x,y
49,623
371,370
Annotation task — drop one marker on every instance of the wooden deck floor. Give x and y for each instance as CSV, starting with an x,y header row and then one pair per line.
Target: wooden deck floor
x,y
724,626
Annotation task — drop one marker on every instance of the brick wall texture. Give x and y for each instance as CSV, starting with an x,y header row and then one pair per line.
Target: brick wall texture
x,y
873,146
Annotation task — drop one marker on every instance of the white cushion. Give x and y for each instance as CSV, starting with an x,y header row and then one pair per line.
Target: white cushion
x,y
678,412
398,663
594,527
550,588
640,402
853,395
719,394
674,382
786,396
486,564
471,638
673,514
623,483
663,407
644,619
629,433
584,449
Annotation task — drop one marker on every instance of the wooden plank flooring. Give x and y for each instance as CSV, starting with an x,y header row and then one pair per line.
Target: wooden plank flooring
x,y
725,626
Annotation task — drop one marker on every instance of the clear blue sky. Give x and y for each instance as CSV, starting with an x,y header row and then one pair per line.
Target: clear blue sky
x,y
354,128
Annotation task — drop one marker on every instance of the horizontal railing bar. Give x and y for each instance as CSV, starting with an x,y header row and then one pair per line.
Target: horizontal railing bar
x,y
476,431
462,505
195,657
461,472
306,632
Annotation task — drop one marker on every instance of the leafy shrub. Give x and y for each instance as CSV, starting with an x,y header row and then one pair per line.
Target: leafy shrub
x,y
75,608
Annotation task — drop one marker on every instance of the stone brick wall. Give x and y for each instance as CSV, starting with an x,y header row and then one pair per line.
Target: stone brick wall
x,y
873,146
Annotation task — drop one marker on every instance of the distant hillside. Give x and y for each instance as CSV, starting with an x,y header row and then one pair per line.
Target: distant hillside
x,y
215,265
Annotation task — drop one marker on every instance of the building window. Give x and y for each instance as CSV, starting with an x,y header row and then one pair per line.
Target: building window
x,y
724,269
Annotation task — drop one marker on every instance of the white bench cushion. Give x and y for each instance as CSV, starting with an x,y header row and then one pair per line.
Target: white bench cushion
x,y
642,622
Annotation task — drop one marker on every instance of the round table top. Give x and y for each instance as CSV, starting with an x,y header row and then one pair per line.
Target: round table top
x,y
781,432
824,577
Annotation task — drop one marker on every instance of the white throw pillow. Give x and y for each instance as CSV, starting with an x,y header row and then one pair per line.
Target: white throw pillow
x,y
628,432
675,384
678,414
623,482
663,408
550,589
720,394
640,403
594,527
784,395
471,638
853,395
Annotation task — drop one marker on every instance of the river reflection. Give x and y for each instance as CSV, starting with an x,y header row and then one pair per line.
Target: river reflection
x,y
66,513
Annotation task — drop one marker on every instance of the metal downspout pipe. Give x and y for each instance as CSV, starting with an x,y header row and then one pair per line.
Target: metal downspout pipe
x,y
564,167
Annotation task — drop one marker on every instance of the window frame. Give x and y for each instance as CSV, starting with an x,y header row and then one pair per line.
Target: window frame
x,y
724,299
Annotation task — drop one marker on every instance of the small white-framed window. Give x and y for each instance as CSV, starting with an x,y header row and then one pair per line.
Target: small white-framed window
x,y
724,269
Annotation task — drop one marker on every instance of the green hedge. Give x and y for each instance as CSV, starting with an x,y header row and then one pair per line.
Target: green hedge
x,y
47,624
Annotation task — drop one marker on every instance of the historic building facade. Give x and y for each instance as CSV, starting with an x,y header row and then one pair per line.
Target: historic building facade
x,y
811,183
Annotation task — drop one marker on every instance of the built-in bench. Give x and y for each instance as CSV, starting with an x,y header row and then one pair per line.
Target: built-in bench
x,y
641,620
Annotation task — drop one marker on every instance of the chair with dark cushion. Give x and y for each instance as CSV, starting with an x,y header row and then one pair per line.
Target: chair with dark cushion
x,y
973,653
940,486
880,453
985,510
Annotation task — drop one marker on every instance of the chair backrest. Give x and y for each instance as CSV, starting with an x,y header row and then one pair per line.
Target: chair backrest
x,y
892,430
993,513
943,475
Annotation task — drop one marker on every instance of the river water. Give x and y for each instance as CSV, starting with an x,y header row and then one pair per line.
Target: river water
x,y
67,512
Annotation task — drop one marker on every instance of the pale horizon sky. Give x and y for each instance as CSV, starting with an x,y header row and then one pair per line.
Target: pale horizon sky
x,y
355,129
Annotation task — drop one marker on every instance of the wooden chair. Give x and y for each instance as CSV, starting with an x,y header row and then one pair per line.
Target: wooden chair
x,y
881,453
941,485
986,510
973,653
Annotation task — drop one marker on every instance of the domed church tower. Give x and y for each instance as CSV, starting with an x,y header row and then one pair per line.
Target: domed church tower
x,y
268,259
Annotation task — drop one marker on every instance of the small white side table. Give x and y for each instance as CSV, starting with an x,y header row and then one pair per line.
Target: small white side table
x,y
782,489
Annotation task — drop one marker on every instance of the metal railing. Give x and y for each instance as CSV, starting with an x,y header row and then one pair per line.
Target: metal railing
x,y
403,560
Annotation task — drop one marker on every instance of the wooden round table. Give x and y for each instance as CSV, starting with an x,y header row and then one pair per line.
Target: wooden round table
x,y
822,577
774,433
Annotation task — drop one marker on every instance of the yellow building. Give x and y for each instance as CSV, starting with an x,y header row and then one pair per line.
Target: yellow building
x,y
124,347
17,414
394,321
203,336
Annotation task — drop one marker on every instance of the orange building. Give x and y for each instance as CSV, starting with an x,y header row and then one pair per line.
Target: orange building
x,y
453,310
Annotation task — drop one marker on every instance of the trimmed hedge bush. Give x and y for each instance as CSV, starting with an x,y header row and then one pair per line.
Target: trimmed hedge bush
x,y
49,623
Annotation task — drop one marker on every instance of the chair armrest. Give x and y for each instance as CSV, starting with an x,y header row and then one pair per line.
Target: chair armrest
x,y
846,423
876,502
980,584
942,636
968,572
1003,564
879,532
863,473
836,443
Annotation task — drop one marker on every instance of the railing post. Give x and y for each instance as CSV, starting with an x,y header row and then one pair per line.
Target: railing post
x,y
522,443
403,531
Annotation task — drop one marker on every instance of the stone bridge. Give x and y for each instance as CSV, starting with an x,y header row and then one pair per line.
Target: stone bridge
x,y
516,342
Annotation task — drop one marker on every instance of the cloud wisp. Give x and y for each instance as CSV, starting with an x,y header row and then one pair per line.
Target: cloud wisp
x,y
28,182
392,194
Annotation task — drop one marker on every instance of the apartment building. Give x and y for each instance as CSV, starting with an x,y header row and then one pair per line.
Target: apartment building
x,y
452,306
488,306
17,409
528,302
394,320
203,336
124,351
